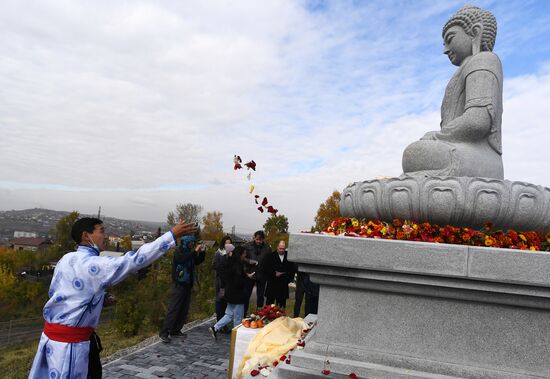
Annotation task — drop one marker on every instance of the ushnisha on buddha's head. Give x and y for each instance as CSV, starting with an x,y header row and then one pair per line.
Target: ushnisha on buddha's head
x,y
467,32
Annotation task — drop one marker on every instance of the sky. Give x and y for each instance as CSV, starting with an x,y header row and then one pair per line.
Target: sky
x,y
136,106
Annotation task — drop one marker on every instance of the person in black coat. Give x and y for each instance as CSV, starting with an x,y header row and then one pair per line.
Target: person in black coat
x,y
256,253
279,272
312,295
235,278
217,264
186,257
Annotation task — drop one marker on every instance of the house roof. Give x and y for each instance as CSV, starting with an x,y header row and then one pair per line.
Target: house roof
x,y
30,241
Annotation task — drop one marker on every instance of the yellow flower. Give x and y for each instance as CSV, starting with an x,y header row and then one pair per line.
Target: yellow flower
x,y
532,248
523,238
489,241
355,222
384,231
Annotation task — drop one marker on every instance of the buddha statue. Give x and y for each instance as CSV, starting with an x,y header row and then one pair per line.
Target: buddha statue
x,y
469,142
454,176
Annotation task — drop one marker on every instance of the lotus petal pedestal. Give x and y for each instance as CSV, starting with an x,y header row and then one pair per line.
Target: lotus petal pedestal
x,y
458,201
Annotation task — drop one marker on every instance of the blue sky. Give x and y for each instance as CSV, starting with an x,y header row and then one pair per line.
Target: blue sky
x,y
139,105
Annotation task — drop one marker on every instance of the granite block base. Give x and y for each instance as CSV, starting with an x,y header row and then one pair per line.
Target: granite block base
x,y
387,317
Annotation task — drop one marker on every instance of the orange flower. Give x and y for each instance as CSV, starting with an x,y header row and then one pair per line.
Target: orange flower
x,y
489,241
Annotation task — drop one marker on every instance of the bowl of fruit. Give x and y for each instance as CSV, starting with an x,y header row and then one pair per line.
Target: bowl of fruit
x,y
263,316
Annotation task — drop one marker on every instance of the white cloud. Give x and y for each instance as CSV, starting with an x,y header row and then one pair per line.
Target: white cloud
x,y
138,105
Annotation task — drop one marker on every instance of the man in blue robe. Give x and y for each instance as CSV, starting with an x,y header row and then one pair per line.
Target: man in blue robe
x,y
76,299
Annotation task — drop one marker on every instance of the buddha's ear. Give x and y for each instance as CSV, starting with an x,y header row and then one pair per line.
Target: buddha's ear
x,y
477,31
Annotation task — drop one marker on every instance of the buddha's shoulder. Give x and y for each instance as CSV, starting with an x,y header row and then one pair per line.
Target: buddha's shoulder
x,y
485,60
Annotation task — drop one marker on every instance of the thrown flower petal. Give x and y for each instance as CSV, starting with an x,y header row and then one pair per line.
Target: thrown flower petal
x,y
251,165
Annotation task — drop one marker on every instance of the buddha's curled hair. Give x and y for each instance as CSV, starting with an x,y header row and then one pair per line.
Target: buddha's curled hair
x,y
467,17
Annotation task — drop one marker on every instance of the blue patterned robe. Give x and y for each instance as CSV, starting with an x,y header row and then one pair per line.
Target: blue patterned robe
x,y
76,299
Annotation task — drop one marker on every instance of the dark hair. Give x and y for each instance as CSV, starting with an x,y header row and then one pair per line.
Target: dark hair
x,y
235,257
225,238
260,233
85,224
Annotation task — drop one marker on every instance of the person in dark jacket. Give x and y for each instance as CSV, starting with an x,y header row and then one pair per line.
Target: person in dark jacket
x,y
312,295
217,264
235,278
186,257
256,253
299,292
279,273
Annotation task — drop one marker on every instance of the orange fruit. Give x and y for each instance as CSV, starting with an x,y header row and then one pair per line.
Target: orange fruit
x,y
253,324
246,323
259,323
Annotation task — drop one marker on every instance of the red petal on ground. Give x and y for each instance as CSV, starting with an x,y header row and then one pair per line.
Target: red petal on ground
x,y
325,372
353,376
282,358
254,372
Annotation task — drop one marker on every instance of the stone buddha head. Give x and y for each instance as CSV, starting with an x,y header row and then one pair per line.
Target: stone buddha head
x,y
467,32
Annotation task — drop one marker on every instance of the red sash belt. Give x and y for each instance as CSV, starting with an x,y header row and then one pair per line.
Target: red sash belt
x,y
69,334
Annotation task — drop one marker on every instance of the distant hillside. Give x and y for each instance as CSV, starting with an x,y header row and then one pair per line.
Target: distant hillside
x,y
42,221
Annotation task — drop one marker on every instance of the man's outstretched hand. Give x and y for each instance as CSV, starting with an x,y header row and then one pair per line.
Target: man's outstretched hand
x,y
184,229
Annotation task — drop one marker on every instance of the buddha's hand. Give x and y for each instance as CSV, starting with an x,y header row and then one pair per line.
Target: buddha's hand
x,y
430,136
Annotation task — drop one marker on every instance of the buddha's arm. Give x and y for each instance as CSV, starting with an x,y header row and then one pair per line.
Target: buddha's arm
x,y
475,123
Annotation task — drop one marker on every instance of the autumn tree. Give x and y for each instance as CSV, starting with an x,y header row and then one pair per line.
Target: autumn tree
x,y
276,229
126,243
188,212
63,242
328,211
212,226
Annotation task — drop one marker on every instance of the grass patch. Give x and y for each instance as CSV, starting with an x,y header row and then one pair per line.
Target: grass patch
x,y
16,360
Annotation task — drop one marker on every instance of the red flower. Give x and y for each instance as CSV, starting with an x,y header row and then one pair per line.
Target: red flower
x,y
254,372
270,209
251,165
275,363
237,166
261,209
282,358
264,201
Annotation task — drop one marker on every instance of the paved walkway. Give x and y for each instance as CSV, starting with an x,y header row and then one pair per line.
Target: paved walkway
x,y
196,356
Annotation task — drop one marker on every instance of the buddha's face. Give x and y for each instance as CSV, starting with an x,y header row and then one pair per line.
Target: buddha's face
x,y
458,45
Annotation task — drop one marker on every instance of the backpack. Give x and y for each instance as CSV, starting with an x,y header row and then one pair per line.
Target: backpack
x,y
183,274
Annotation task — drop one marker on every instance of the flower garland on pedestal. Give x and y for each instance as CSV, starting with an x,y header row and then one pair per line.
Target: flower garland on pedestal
x,y
406,230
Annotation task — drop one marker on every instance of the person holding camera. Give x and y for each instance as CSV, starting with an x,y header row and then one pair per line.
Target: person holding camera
x,y
186,257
